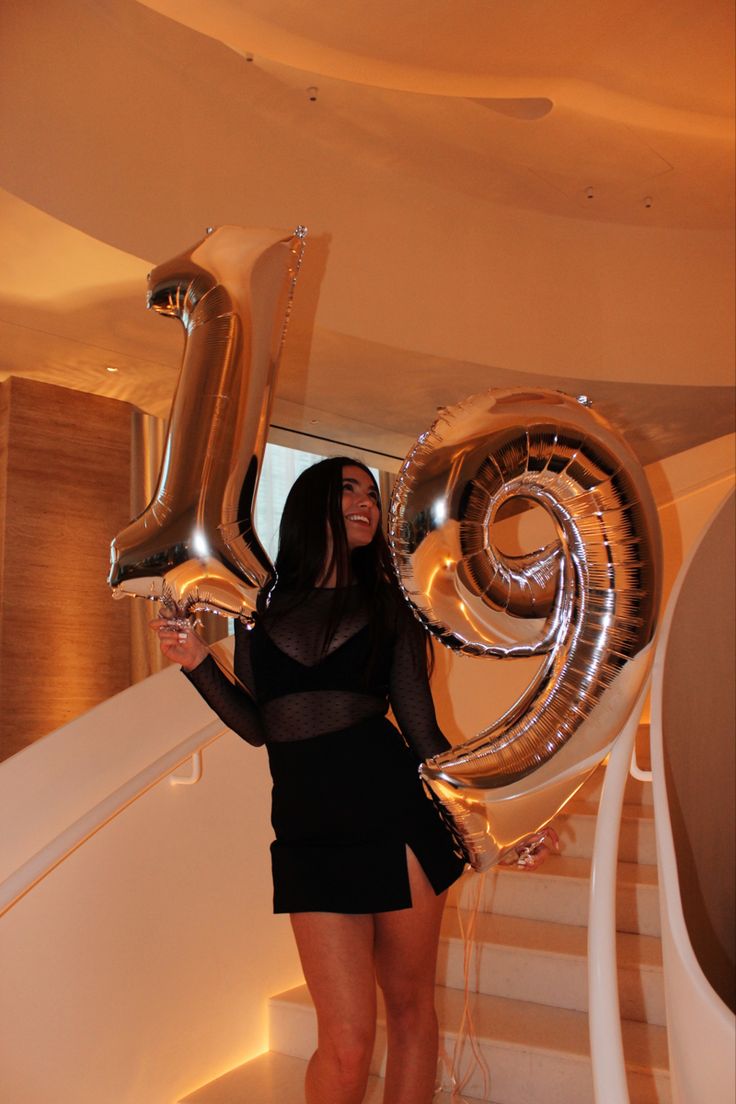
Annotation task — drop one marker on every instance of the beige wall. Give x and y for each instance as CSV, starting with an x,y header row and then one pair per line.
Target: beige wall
x,y
64,489
140,968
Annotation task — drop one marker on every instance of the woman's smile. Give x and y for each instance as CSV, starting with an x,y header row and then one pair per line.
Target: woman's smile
x,y
360,507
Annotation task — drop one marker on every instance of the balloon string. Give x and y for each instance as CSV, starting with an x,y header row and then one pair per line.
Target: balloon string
x,y
466,1031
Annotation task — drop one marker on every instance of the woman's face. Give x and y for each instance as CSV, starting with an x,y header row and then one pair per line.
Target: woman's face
x,y
359,506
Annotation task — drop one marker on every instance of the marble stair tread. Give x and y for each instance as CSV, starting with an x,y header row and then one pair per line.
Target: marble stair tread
x,y
273,1078
576,828
558,891
569,866
544,962
525,1044
531,1025
635,793
579,806
548,938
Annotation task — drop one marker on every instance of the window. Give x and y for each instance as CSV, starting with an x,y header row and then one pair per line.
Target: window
x,y
281,466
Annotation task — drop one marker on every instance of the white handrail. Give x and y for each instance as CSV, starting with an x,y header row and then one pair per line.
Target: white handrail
x,y
44,861
636,771
604,1016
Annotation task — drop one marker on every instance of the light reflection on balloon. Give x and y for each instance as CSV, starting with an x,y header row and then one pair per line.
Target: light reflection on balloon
x,y
585,603
194,547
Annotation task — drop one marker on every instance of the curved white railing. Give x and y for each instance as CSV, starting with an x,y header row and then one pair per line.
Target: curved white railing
x,y
604,1018
48,858
636,771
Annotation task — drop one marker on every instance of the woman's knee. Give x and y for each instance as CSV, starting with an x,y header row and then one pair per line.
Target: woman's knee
x,y
408,1004
348,1047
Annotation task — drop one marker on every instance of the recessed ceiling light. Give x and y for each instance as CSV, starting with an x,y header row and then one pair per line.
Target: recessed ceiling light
x,y
111,368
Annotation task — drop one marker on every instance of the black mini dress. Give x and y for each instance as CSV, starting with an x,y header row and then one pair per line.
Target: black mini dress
x,y
347,800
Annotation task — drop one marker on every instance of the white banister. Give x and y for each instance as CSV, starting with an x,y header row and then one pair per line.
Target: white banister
x,y
44,861
604,1018
192,775
636,771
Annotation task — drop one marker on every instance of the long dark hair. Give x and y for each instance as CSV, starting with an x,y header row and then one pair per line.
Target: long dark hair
x,y
313,542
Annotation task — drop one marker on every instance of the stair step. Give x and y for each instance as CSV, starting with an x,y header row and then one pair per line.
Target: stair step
x,y
576,829
536,1054
273,1078
558,891
635,793
534,960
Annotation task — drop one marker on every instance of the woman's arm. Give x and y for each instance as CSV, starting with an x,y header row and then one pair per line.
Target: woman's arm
x,y
409,692
233,705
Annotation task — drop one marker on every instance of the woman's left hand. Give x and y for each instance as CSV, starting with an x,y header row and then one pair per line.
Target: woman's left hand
x,y
179,643
532,851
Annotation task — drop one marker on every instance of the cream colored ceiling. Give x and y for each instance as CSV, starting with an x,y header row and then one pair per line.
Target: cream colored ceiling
x,y
473,174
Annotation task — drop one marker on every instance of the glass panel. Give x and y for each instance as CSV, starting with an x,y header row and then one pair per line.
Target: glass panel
x,y
281,466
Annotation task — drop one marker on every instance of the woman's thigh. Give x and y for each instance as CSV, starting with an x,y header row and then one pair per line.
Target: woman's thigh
x,y
336,953
406,942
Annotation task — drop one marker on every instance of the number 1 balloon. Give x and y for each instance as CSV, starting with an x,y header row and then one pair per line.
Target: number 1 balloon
x,y
586,604
194,547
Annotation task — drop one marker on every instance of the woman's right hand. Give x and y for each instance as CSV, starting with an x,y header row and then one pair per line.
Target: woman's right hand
x,y
179,643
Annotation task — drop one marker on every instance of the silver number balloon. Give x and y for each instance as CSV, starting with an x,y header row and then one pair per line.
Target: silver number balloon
x,y
585,603
194,547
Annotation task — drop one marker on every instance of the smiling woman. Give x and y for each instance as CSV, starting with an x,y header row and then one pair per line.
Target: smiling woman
x,y
364,879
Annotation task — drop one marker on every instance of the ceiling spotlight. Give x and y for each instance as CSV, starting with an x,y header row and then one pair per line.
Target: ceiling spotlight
x,y
312,92
589,193
111,368
248,57
648,201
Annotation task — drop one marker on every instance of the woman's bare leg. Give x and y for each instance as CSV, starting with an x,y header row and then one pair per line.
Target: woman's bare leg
x,y
406,963
336,953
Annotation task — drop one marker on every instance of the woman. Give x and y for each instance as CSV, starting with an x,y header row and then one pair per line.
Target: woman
x,y
361,860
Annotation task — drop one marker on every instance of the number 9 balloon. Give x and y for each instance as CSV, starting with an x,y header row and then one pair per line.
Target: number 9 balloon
x,y
194,546
586,604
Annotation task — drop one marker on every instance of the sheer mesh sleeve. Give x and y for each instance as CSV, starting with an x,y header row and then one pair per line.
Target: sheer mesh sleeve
x,y
409,692
229,701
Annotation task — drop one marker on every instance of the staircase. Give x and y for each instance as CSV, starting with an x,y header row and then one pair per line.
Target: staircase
x,y
528,979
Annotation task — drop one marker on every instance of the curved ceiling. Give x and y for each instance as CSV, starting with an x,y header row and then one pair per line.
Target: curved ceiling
x,y
495,193
627,61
